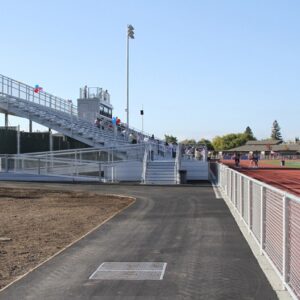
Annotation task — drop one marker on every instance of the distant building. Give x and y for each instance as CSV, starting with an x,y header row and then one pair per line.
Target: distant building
x,y
267,148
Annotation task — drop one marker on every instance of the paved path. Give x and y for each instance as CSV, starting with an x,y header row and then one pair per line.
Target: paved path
x,y
186,227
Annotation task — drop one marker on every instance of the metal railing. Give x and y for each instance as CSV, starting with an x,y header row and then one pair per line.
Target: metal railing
x,y
104,154
177,164
91,170
42,166
13,88
272,216
145,161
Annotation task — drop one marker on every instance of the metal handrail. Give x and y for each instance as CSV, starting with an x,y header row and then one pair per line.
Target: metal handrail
x,y
57,167
145,160
14,88
19,90
87,150
177,163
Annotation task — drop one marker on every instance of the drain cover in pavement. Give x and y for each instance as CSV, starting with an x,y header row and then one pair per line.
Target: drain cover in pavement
x,y
130,271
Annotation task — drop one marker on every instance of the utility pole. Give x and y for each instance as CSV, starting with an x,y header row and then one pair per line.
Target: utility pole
x,y
130,35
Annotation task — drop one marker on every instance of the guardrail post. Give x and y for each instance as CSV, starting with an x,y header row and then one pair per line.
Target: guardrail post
x,y
229,185
249,205
234,190
99,172
226,181
39,166
241,197
47,163
18,140
76,163
112,174
262,219
6,163
285,242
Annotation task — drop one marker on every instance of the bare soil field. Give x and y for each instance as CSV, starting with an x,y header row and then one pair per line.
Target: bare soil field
x,y
35,224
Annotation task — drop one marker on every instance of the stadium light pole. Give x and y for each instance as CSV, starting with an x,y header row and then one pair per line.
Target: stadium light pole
x,y
130,35
142,114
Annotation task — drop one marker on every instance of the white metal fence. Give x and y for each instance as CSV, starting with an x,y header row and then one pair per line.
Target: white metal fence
x,y
50,166
103,171
272,217
104,154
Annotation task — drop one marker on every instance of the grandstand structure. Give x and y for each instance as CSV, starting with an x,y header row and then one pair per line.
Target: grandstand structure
x,y
117,153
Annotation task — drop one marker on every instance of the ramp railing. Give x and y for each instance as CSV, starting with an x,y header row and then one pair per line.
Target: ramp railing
x,y
12,90
17,89
104,154
103,171
272,217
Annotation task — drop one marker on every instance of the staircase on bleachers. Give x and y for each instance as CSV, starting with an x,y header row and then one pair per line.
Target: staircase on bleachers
x,y
161,172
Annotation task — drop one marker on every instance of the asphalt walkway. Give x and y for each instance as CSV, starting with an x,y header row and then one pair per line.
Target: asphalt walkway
x,y
185,227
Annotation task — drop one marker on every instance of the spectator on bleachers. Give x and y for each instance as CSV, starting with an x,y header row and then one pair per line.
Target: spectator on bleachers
x,y
174,146
97,122
197,154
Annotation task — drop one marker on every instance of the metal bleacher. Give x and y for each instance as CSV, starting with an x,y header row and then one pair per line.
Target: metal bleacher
x,y
112,157
24,101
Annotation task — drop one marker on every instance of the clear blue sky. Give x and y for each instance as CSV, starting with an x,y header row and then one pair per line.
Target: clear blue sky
x,y
199,68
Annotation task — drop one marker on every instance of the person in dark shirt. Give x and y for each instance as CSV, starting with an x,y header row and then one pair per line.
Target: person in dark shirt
x,y
236,158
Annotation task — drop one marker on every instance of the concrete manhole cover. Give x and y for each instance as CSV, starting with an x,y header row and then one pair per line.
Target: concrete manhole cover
x,y
130,271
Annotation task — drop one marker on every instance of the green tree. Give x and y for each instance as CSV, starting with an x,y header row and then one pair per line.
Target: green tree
x,y
170,139
276,134
249,134
207,143
229,141
188,142
218,143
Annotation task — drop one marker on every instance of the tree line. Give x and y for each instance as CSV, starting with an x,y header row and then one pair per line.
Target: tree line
x,y
227,141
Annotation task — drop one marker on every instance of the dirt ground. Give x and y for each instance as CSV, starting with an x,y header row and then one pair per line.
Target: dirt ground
x,y
35,224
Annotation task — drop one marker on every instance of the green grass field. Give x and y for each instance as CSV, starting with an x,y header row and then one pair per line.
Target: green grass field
x,y
288,163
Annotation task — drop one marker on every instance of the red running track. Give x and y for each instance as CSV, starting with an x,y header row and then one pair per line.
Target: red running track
x,y
286,179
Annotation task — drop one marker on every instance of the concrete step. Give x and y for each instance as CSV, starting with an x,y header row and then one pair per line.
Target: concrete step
x,y
161,170
162,165
161,182
160,176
